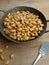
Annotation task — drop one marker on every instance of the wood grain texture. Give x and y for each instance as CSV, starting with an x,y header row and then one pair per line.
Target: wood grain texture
x,y
25,53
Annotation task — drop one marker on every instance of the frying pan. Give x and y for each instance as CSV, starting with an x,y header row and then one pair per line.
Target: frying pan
x,y
24,8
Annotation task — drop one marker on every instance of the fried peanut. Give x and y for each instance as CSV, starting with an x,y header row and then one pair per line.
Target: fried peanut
x,y
6,46
23,25
1,51
2,57
12,55
7,62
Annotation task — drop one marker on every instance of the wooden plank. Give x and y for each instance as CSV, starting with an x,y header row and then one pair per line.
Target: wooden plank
x,y
25,53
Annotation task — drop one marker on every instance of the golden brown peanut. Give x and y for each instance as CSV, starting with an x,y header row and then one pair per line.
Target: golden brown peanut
x,y
33,34
13,24
2,57
31,29
39,21
32,37
27,38
14,37
14,33
9,16
5,23
34,23
12,55
19,38
9,27
20,29
6,46
40,28
36,29
36,34
6,19
42,25
39,32
7,62
1,50
7,31
13,30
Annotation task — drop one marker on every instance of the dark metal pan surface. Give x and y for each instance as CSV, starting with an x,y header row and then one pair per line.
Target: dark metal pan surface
x,y
24,8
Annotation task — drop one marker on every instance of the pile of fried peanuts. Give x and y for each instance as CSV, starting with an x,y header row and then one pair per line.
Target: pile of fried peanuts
x,y
23,25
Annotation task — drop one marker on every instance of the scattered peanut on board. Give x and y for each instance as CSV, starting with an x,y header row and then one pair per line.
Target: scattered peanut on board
x,y
1,51
7,62
2,56
6,46
12,55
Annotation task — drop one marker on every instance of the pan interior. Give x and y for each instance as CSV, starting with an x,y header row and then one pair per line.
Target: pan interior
x,y
23,8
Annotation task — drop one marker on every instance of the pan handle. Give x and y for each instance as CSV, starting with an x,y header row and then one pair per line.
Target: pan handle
x,y
2,11
47,30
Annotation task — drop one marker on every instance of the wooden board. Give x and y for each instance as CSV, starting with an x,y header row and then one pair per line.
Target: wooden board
x,y
25,53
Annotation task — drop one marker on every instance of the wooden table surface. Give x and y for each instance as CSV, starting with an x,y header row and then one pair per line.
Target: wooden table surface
x,y
25,53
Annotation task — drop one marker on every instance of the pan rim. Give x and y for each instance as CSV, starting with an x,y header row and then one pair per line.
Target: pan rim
x,y
9,38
